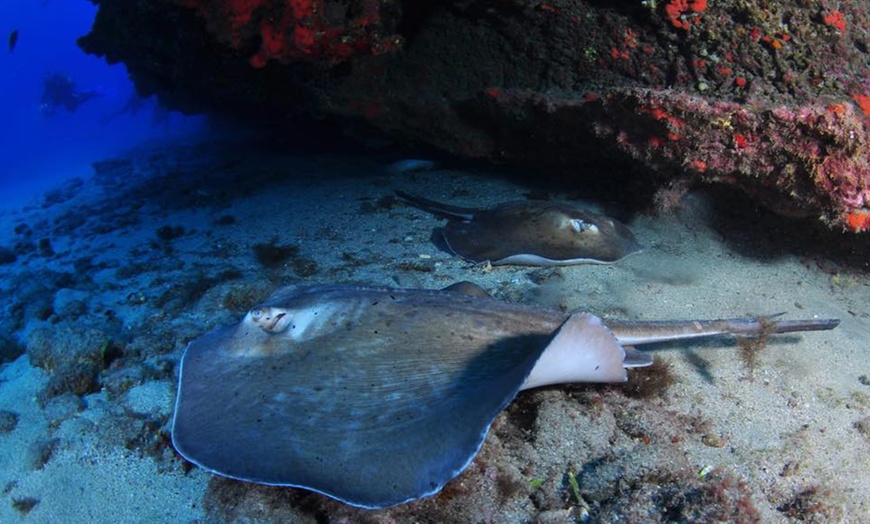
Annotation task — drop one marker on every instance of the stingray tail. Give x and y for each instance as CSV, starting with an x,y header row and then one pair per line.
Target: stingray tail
x,y
642,332
438,208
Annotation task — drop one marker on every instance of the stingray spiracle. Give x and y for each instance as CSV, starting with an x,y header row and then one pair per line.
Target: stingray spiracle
x,y
581,226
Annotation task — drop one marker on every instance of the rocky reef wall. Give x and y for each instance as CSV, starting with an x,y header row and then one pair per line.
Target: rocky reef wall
x,y
770,97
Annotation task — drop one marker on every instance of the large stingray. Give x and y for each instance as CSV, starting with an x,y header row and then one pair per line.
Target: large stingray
x,y
530,233
376,396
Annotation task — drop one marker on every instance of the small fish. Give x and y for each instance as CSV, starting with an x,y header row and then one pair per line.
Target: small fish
x,y
13,40
530,233
380,396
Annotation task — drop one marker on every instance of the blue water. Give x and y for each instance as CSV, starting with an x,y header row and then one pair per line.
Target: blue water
x,y
39,148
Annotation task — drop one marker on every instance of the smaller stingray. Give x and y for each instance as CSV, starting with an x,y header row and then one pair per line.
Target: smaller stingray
x,y
530,233
378,396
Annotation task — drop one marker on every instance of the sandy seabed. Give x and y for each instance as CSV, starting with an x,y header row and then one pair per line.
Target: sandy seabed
x,y
159,247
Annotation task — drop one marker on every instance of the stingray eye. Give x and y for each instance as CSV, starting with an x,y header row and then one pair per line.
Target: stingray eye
x,y
580,226
257,314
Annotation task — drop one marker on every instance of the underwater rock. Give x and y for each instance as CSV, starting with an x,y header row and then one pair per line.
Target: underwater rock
x,y
10,348
45,249
118,380
23,247
66,192
8,421
111,173
322,31
70,304
655,93
813,504
271,255
7,256
684,496
24,505
151,398
62,407
168,233
73,356
77,378
40,451
23,229
227,501
37,306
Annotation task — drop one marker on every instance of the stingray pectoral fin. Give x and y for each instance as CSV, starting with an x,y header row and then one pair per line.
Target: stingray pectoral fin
x,y
467,288
635,358
583,350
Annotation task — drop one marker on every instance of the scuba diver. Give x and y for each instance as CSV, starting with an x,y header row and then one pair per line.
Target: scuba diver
x,y
59,90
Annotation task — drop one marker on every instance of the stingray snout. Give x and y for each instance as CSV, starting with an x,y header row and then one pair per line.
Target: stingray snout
x,y
270,319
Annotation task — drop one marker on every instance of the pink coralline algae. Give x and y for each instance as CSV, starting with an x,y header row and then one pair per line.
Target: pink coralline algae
x,y
809,160
815,156
771,97
298,30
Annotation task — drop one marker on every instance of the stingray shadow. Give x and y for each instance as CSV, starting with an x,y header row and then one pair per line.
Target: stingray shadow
x,y
694,350
759,233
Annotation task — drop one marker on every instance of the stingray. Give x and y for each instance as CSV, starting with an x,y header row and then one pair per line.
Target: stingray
x,y
378,396
530,233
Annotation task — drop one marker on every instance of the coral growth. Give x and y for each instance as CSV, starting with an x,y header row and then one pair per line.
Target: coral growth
x,y
812,157
810,160
679,11
771,97
682,497
650,382
73,358
318,30
812,504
